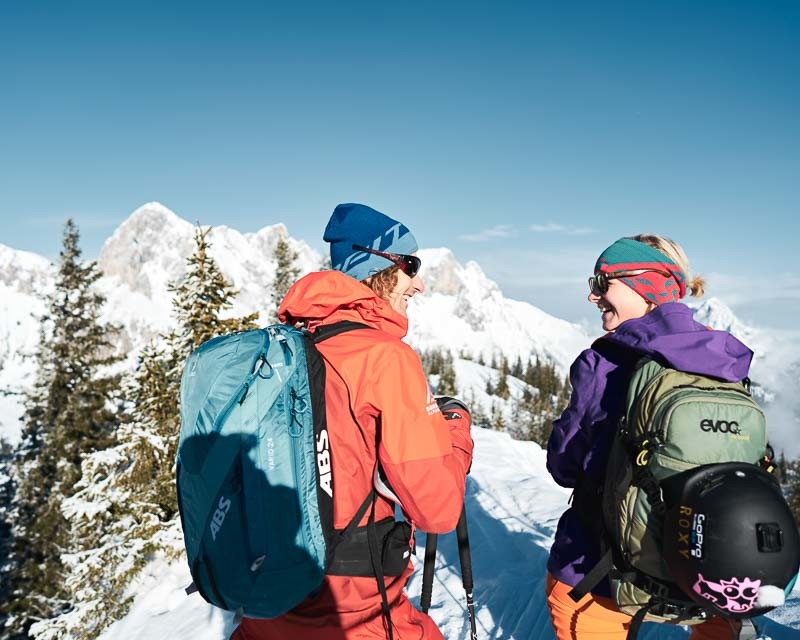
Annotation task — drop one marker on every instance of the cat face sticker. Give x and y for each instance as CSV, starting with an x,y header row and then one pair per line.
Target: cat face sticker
x,y
734,595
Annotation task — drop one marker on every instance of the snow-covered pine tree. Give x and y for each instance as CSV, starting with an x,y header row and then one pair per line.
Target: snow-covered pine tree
x,y
200,301
125,510
285,274
447,377
502,389
6,497
791,479
72,410
535,412
439,364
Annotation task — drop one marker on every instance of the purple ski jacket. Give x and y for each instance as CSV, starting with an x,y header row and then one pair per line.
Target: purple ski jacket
x,y
582,436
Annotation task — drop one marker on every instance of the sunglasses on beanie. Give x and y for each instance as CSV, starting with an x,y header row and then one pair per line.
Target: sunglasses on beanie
x,y
408,264
598,283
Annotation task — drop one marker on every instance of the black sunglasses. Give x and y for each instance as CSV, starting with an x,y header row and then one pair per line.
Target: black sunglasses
x,y
598,283
408,264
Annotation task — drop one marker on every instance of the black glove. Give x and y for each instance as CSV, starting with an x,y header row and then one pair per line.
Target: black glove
x,y
452,408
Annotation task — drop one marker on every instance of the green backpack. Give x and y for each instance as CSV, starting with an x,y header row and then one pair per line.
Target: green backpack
x,y
672,422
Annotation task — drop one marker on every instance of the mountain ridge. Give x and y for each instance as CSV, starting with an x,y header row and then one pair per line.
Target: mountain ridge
x,y
462,310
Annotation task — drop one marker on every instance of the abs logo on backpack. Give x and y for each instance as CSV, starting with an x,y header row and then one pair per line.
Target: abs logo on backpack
x,y
720,426
324,462
218,518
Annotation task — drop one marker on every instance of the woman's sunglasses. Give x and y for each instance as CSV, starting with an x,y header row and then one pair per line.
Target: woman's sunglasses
x,y
408,264
598,283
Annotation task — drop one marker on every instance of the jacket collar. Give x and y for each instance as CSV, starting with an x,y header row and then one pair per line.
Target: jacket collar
x,y
324,297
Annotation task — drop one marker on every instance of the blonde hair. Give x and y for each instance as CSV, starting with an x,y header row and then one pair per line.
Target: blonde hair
x,y
383,282
695,286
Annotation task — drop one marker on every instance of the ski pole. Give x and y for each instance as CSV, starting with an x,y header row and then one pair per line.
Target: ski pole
x,y
466,569
427,571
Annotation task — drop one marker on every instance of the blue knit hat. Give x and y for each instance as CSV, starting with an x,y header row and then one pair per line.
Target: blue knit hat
x,y
359,224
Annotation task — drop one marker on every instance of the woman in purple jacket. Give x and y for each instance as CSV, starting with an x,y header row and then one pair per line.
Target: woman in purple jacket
x,y
637,285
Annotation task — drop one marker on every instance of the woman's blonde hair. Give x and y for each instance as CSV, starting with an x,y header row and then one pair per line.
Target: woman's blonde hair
x,y
383,282
695,286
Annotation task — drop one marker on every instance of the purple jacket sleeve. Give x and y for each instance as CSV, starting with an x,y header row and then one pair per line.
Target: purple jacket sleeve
x,y
572,434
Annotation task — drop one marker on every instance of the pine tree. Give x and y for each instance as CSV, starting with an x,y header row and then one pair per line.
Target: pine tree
x,y
7,487
498,421
535,412
447,377
72,410
440,370
517,370
792,483
502,388
132,486
201,299
285,274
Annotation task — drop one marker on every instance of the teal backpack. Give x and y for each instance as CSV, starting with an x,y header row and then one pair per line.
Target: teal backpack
x,y
254,476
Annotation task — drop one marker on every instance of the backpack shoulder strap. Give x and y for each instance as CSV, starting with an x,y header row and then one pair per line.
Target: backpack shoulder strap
x,y
619,354
325,331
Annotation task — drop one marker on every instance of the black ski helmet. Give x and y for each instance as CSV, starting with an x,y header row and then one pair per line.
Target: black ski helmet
x,y
730,540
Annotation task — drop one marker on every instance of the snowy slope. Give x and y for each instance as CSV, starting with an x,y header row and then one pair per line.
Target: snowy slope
x,y
513,508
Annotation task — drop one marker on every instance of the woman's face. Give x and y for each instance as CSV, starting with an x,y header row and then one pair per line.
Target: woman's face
x,y
618,304
405,289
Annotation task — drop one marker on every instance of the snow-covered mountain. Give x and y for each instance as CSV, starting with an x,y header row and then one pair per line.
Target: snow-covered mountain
x,y
461,310
775,371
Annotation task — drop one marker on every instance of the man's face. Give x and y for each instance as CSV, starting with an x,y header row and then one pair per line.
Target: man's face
x,y
403,291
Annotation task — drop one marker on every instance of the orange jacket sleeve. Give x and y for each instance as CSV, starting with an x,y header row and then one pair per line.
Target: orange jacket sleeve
x,y
425,457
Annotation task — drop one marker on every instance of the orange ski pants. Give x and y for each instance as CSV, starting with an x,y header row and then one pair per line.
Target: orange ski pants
x,y
597,618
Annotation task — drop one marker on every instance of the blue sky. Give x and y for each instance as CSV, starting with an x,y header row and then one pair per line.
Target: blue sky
x,y
527,136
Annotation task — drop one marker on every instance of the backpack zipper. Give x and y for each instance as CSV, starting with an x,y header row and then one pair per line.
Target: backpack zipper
x,y
241,392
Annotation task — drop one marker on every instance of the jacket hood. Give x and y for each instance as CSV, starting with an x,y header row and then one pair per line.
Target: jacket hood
x,y
325,297
670,335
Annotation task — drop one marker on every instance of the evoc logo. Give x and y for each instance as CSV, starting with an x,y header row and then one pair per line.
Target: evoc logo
x,y
324,462
720,426
219,516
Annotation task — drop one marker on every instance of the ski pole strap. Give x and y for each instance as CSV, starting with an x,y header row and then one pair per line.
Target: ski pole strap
x,y
377,566
427,571
462,535
595,575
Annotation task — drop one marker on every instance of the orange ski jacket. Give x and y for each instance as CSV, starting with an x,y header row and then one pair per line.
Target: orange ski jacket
x,y
379,410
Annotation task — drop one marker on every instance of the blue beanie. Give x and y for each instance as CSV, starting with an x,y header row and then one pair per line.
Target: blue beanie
x,y
359,224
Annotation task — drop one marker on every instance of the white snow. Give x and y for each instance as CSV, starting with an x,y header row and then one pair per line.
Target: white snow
x,y
513,507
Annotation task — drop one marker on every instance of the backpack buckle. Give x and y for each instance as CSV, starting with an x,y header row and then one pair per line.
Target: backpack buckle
x,y
643,457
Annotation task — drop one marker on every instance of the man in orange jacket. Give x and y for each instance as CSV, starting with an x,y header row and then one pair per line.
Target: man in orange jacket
x,y
384,425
